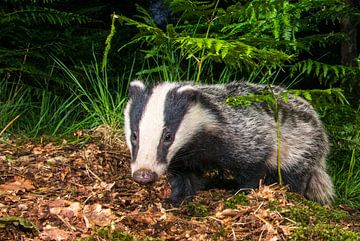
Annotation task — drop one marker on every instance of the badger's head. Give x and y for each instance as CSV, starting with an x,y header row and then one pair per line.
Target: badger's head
x,y
159,121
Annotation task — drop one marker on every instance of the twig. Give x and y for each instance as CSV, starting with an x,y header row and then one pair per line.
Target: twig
x,y
262,203
67,224
240,190
9,124
261,235
233,233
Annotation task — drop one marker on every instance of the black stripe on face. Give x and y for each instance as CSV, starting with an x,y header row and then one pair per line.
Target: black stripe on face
x,y
139,98
176,106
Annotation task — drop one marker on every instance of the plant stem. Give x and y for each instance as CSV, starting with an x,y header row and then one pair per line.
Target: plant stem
x,y
277,124
275,107
108,41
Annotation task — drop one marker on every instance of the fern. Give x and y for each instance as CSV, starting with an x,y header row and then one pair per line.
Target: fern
x,y
246,35
30,31
324,72
268,96
38,15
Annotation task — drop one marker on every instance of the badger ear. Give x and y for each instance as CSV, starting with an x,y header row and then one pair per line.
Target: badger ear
x,y
190,92
136,87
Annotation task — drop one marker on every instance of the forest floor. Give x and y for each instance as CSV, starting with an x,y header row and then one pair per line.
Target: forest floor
x,y
65,192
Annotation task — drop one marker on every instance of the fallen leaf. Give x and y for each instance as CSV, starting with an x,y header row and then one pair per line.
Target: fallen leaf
x,y
96,215
55,160
23,159
68,211
227,213
54,233
104,186
20,184
37,150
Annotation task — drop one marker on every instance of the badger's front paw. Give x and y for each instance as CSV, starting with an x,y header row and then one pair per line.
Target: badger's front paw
x,y
183,188
177,200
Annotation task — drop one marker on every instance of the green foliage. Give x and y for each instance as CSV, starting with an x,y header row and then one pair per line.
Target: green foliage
x,y
110,235
324,72
108,42
31,31
102,102
196,210
268,96
221,234
18,222
34,112
114,235
314,213
343,126
324,232
238,199
243,36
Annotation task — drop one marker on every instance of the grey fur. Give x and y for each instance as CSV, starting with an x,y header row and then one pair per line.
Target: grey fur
x,y
243,142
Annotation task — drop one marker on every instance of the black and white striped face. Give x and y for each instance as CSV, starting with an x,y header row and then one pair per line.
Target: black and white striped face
x,y
159,120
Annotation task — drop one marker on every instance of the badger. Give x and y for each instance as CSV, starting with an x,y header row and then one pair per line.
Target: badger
x,y
182,130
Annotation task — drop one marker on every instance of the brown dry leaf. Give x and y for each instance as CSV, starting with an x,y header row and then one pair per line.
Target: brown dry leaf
x,y
24,159
275,238
59,203
54,233
55,160
12,197
38,150
20,184
64,172
65,209
95,215
104,186
226,213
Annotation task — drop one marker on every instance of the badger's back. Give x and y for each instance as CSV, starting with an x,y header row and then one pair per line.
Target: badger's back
x,y
174,127
303,141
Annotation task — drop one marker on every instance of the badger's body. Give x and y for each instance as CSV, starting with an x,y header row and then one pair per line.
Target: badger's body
x,y
183,130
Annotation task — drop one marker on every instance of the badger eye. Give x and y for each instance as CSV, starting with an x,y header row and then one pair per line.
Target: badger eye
x,y
133,136
167,137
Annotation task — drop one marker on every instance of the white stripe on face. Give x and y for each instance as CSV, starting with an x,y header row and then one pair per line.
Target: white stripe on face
x,y
150,131
127,125
141,87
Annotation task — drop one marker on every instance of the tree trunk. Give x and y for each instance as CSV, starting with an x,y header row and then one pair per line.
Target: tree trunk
x,y
349,49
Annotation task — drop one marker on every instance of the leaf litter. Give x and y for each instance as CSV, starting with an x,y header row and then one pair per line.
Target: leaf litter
x,y
67,192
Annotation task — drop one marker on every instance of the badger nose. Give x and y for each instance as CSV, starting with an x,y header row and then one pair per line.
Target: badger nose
x,y
144,176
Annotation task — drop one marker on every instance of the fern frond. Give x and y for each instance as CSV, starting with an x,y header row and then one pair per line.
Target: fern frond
x,y
190,8
323,71
231,52
37,15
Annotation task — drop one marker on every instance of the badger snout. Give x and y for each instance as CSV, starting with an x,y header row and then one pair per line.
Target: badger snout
x,y
144,176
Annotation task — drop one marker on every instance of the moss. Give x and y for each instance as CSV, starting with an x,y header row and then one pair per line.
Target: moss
x,y
151,239
324,232
109,235
197,210
306,212
113,235
219,234
238,199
